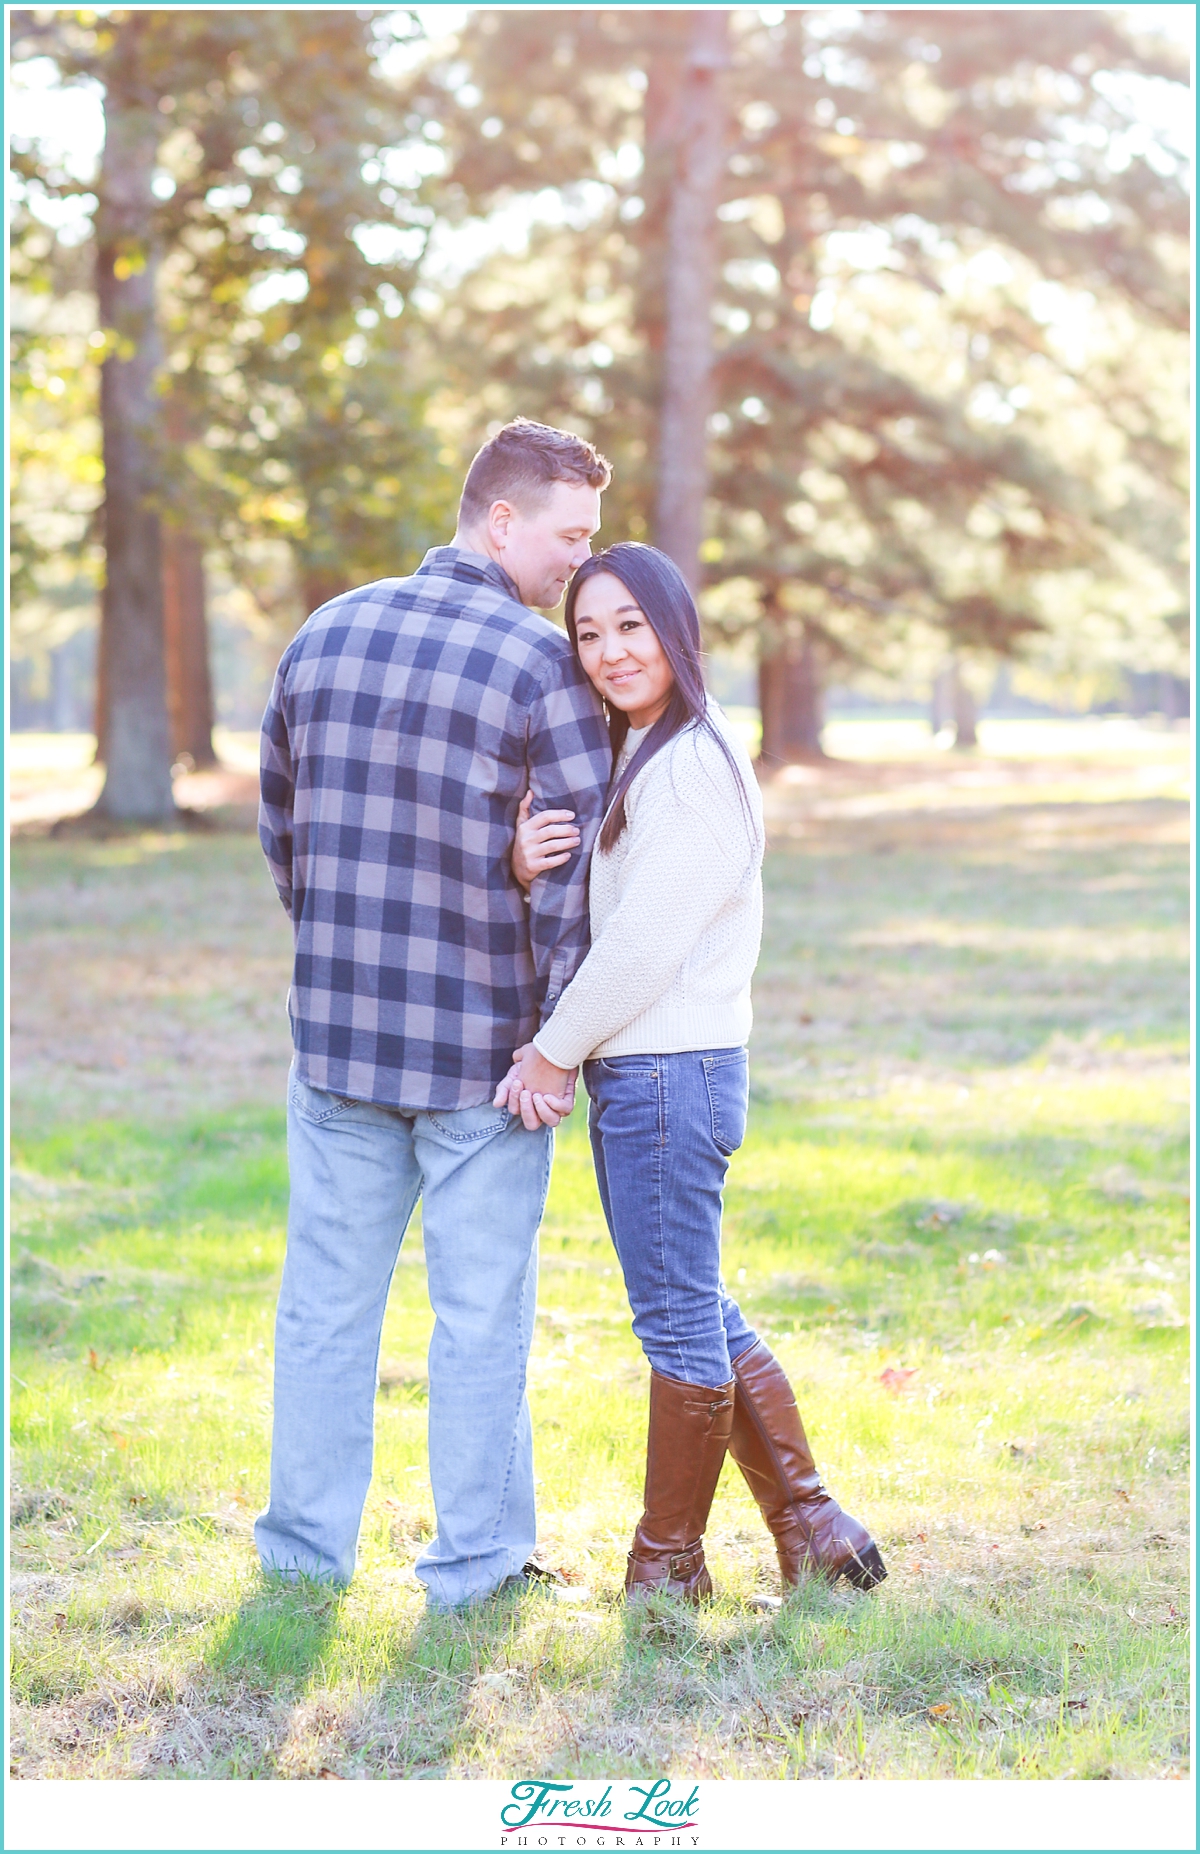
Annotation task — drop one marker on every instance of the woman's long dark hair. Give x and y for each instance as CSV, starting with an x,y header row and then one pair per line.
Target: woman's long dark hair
x,y
662,594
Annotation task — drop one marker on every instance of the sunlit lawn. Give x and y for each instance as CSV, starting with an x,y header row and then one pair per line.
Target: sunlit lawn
x,y
960,1215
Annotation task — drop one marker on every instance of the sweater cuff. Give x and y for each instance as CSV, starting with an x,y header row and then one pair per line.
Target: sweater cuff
x,y
559,1050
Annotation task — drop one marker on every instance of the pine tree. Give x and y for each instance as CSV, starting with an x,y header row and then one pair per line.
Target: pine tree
x,y
241,149
891,459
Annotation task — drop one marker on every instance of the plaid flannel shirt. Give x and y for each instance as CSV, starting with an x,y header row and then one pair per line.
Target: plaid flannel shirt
x,y
406,722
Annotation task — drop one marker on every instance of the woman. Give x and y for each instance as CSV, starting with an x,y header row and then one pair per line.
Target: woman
x,y
659,1014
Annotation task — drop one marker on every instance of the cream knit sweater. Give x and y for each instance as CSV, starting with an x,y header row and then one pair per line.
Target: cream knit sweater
x,y
676,911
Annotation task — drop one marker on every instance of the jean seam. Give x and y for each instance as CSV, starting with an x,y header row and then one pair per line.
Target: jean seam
x,y
465,1139
660,1168
523,1368
714,1116
320,1120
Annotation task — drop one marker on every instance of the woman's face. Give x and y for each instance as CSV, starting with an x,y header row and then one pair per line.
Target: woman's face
x,y
620,651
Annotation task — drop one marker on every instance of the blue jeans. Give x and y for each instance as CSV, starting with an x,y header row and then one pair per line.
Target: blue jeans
x,y
662,1130
356,1173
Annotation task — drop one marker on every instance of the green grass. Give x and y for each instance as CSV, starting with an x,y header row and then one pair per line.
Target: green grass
x,y
960,1217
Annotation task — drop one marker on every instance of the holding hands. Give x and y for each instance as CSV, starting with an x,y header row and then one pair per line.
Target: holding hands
x,y
535,1089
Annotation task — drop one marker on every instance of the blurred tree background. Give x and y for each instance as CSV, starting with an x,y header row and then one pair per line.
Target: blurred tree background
x,y
881,316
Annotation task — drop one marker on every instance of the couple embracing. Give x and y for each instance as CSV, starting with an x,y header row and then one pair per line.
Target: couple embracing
x,y
509,854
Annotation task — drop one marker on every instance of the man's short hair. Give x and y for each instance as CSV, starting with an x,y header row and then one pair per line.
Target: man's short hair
x,y
521,465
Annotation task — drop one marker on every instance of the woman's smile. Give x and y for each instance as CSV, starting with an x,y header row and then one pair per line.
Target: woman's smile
x,y
620,650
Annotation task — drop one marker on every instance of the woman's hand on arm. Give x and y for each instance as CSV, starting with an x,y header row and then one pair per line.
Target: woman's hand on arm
x,y
544,841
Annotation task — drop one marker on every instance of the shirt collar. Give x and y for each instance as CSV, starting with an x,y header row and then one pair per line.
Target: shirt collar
x,y
477,569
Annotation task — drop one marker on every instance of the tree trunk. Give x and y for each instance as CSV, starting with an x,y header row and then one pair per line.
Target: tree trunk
x,y
185,614
954,705
185,627
320,584
791,701
698,118
941,707
966,713
134,726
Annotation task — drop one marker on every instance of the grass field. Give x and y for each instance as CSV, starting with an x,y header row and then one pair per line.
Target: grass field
x,y
961,1217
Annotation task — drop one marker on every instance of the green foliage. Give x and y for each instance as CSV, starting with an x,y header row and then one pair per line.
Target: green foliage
x,y
951,380
953,292
296,407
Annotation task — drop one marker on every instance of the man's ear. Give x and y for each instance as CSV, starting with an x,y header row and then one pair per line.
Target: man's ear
x,y
499,520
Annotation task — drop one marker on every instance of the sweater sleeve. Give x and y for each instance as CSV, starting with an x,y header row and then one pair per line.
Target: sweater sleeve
x,y
690,849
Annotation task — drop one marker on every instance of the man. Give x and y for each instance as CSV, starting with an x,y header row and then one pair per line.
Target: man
x,y
406,723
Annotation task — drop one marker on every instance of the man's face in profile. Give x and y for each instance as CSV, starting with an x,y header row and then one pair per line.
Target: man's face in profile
x,y
542,546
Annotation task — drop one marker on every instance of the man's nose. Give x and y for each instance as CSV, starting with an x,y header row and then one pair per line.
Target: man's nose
x,y
582,552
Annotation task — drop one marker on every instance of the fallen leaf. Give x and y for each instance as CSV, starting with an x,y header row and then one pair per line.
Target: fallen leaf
x,y
498,1680
941,1710
330,1776
898,1379
1159,1310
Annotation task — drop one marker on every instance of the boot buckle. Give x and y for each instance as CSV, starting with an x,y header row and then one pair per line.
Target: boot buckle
x,y
684,1564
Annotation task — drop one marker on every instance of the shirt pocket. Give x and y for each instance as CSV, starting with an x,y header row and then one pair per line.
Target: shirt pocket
x,y
727,1081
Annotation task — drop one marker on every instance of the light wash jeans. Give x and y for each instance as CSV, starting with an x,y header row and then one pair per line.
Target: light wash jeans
x,y
662,1130
356,1173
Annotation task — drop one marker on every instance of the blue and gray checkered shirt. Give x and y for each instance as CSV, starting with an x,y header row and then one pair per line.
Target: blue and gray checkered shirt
x,y
406,722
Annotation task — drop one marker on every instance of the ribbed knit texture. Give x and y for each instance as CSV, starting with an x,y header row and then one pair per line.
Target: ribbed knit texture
x,y
676,911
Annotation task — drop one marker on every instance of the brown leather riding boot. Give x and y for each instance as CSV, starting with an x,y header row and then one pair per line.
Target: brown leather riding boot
x,y
811,1532
688,1436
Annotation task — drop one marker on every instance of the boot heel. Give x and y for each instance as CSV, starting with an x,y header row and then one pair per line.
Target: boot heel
x,y
866,1569
813,1536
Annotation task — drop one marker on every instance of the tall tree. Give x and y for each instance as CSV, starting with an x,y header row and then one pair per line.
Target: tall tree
x,y
185,615
244,161
892,456
686,119
136,730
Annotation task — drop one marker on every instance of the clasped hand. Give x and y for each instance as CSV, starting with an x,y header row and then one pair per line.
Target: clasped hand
x,y
534,1088
544,840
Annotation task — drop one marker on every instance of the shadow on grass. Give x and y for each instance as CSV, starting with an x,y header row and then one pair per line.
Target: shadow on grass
x,y
278,1635
417,1707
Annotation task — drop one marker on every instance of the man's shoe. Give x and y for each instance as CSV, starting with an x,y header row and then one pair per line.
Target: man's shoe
x,y
685,1446
767,1440
534,1574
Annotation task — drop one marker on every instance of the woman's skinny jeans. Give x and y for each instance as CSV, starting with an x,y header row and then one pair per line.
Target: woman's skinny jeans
x,y
662,1130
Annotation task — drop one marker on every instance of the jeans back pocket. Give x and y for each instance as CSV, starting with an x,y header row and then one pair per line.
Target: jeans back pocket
x,y
727,1080
317,1104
